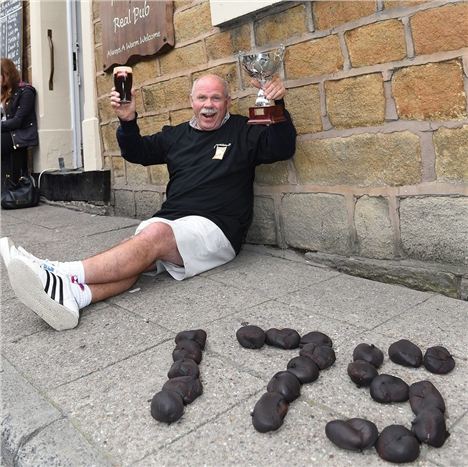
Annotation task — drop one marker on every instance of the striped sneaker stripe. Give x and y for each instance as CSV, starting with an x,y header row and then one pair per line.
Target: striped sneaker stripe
x,y
53,285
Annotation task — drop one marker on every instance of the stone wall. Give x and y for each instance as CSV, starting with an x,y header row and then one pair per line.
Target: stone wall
x,y
378,91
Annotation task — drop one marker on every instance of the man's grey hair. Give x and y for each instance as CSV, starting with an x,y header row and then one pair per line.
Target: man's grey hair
x,y
221,80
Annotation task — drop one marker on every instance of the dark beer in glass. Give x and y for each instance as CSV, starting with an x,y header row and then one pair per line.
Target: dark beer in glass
x,y
123,80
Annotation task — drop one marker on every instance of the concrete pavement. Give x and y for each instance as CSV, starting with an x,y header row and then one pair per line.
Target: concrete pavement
x,y
81,397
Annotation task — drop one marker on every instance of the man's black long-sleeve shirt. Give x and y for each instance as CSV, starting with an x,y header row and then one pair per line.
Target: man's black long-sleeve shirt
x,y
220,190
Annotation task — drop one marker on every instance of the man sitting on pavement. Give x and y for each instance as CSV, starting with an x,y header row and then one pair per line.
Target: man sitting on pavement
x,y
211,162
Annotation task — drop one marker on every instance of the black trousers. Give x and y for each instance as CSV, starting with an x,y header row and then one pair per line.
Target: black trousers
x,y
14,161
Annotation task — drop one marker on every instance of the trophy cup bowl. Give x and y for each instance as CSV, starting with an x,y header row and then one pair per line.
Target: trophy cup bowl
x,y
263,66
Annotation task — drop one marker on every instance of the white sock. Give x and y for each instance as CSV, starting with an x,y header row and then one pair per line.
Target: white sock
x,y
73,268
81,292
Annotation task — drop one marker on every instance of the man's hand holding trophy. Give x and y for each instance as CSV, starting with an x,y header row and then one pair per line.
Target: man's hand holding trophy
x,y
262,66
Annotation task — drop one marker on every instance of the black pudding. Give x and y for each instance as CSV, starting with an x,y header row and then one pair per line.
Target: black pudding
x,y
197,335
429,427
424,395
369,353
388,388
397,444
438,360
184,367
269,412
315,337
285,338
187,349
251,337
167,406
405,353
187,387
304,369
355,434
286,384
361,373
322,355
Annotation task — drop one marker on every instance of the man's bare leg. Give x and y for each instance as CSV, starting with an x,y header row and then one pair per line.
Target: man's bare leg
x,y
102,291
122,264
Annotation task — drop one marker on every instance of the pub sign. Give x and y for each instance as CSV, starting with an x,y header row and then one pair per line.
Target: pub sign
x,y
135,28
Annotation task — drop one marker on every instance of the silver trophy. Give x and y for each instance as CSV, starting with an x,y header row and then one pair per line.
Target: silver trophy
x,y
263,66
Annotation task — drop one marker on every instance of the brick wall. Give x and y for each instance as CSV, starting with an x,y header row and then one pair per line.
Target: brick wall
x,y
378,91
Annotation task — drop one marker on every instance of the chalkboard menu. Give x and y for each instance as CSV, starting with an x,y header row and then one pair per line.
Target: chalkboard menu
x,y
11,31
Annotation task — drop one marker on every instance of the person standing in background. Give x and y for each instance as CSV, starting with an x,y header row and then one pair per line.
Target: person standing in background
x,y
18,122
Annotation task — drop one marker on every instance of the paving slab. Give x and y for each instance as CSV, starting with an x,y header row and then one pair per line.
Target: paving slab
x,y
121,395
54,358
355,300
230,439
268,360
439,320
82,397
350,401
270,276
183,305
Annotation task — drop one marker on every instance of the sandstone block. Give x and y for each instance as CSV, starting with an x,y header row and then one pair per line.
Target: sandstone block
x,y
172,93
105,110
440,29
402,3
364,160
118,169
104,84
192,22
315,57
227,43
97,60
152,124
435,228
227,72
147,203
330,14
137,175
272,174
98,33
357,101
144,71
451,148
124,203
304,106
180,116
109,138
263,228
159,174
96,13
183,57
373,227
316,221
281,26
376,43
421,92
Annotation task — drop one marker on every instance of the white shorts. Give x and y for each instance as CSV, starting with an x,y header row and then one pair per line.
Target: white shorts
x,y
201,244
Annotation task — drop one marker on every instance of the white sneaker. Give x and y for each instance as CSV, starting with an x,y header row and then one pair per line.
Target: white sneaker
x,y
52,266
46,293
7,250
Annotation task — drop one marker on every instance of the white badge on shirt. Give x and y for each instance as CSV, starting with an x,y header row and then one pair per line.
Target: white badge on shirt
x,y
220,150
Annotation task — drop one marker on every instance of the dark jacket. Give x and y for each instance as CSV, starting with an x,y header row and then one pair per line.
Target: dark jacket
x,y
211,172
21,120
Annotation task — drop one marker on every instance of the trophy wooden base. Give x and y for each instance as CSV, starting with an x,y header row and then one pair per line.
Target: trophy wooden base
x,y
266,115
